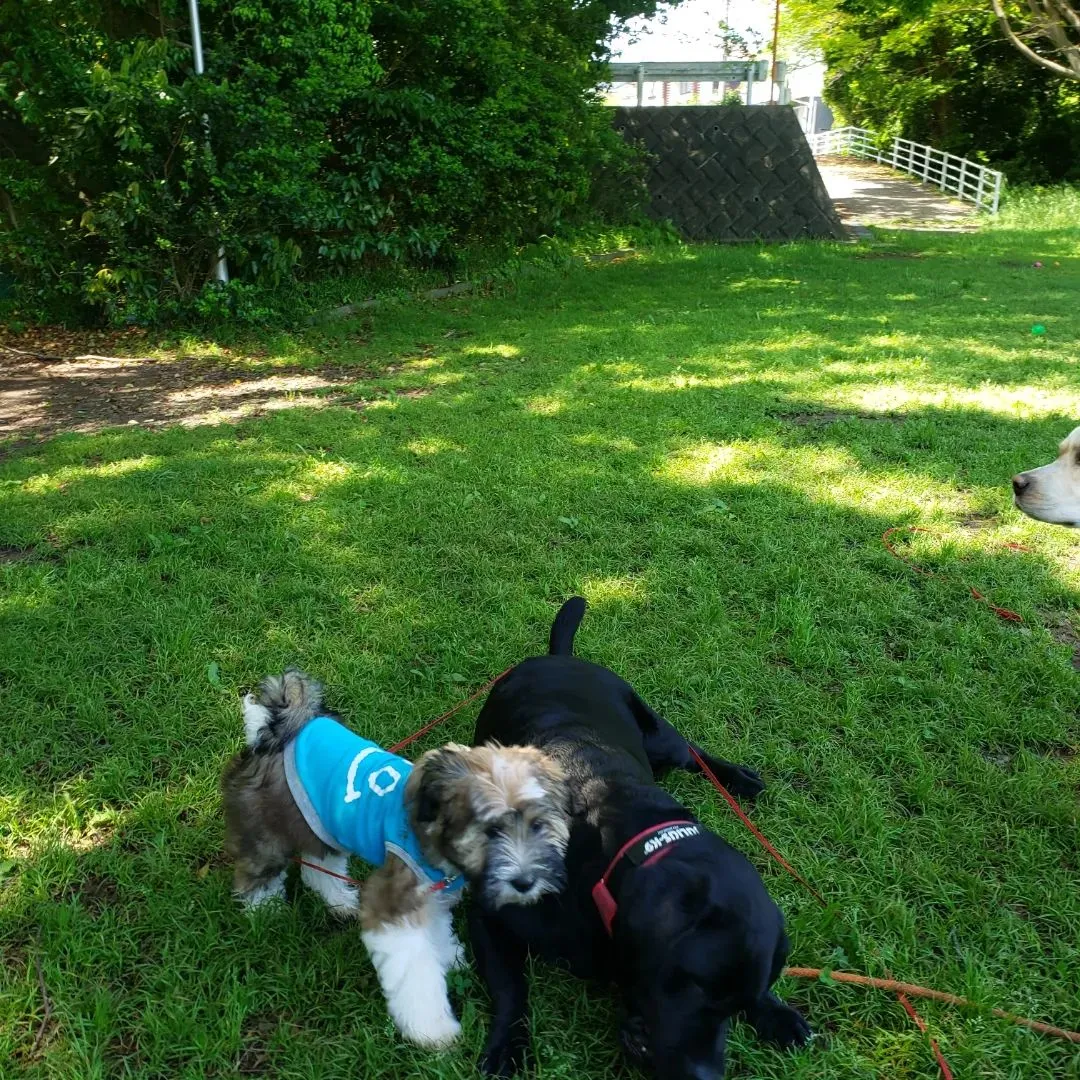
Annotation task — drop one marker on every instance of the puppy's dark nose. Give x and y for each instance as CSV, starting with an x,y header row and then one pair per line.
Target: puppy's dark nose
x,y
523,884
1020,483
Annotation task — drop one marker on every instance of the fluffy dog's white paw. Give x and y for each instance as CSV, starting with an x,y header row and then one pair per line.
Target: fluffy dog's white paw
x,y
435,1033
262,895
413,980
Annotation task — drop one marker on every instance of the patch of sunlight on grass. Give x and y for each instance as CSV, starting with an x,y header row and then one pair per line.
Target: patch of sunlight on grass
x,y
662,384
804,339
433,445
591,330
706,462
605,442
611,367
447,378
757,284
886,369
422,363
545,405
55,481
507,352
1019,400
658,326
327,472
608,590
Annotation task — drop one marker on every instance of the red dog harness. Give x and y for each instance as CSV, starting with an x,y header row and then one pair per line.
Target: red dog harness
x,y
647,847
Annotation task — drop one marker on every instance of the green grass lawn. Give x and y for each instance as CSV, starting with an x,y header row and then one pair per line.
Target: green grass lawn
x,y
707,444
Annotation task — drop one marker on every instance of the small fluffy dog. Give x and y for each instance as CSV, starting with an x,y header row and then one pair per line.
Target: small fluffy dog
x,y
678,919
494,817
1052,492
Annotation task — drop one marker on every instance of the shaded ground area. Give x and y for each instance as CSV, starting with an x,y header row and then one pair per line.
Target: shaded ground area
x,y
44,393
865,193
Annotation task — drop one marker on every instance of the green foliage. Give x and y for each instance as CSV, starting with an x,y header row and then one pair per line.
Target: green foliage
x,y
326,135
939,71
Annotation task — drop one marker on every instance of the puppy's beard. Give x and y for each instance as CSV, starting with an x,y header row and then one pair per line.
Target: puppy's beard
x,y
521,874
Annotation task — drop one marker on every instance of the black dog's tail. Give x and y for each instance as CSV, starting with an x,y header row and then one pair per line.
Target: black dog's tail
x,y
565,627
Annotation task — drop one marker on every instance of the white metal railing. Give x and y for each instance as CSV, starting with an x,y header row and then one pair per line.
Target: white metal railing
x,y
954,175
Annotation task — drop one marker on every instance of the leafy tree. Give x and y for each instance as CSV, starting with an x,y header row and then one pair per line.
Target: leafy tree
x,y
939,72
1049,33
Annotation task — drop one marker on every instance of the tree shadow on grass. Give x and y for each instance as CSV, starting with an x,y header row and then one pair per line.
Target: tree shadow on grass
x,y
165,573
728,538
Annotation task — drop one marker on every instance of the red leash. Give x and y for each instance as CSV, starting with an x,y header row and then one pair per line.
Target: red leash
x,y
761,838
1000,612
767,844
943,1065
900,989
409,739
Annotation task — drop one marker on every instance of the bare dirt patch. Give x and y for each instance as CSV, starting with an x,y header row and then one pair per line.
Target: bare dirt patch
x,y
256,1055
1063,631
55,382
14,554
977,520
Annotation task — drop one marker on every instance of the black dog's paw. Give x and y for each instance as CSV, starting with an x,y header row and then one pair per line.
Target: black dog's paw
x,y
634,1039
504,1058
738,779
782,1026
745,782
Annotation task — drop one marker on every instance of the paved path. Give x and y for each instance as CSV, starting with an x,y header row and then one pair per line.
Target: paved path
x,y
866,193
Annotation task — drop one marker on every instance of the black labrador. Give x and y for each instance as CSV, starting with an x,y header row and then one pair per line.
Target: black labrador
x,y
669,911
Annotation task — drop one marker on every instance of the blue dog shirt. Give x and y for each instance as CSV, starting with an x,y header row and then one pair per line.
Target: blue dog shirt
x,y
352,793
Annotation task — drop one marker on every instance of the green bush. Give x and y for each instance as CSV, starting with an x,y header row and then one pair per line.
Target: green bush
x,y
325,136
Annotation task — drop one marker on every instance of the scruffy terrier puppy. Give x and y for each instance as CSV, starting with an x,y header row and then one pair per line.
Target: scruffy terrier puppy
x,y
493,817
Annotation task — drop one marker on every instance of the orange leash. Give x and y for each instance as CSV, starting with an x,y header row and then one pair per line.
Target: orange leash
x,y
901,989
761,838
920,1023
1000,612
914,990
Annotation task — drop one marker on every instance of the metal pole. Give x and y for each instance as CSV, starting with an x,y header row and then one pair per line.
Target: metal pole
x,y
750,83
640,84
775,47
220,268
196,36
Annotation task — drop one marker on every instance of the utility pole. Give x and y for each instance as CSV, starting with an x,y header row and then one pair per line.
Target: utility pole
x,y
220,268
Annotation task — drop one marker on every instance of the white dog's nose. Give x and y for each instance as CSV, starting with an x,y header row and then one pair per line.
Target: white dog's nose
x,y
1020,483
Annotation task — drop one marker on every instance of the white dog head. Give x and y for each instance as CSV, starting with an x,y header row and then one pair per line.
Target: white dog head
x,y
1052,493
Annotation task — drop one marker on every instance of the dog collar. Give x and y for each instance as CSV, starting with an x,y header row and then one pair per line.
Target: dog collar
x,y
646,847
